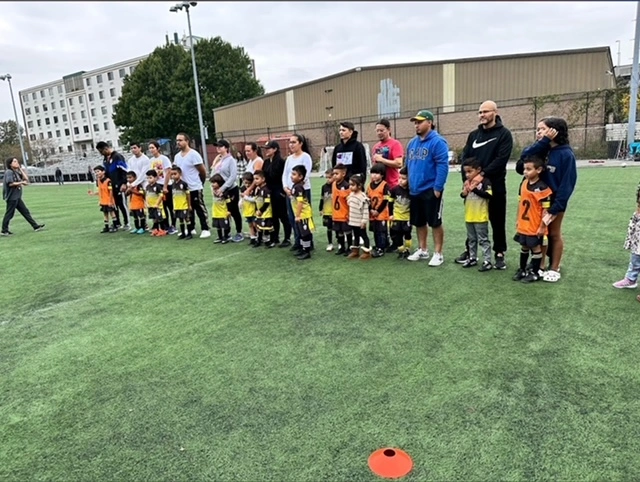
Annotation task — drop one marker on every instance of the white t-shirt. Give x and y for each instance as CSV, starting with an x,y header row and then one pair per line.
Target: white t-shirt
x,y
139,165
251,166
160,164
304,160
188,164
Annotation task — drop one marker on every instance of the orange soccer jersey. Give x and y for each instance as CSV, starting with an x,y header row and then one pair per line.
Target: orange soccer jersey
x,y
534,200
105,192
339,194
377,196
136,202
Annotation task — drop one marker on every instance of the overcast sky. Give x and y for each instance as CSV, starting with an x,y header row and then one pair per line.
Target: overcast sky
x,y
298,41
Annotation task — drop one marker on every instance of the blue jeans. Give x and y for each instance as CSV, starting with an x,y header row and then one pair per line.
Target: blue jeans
x,y
634,267
292,217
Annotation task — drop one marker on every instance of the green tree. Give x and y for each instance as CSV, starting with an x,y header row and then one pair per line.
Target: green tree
x,y
9,141
158,99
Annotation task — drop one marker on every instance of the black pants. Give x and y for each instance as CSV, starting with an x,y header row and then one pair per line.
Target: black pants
x,y
12,207
279,208
234,209
198,207
168,208
360,233
121,206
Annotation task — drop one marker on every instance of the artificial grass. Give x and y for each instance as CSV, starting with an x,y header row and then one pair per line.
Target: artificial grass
x,y
132,358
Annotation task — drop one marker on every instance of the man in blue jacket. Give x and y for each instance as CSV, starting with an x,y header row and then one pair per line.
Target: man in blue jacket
x,y
427,168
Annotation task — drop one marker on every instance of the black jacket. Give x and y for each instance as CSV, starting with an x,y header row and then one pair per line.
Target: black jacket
x,y
353,154
273,170
492,147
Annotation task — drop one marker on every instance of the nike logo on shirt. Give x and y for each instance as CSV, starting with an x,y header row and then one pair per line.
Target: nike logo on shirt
x,y
477,144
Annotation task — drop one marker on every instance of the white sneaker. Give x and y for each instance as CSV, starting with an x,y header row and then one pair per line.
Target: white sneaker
x,y
419,254
193,232
205,234
436,260
330,247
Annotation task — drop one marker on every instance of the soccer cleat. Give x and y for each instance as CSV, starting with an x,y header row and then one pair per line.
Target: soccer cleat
x,y
295,247
486,266
462,258
418,255
271,244
304,255
113,230
140,231
330,247
238,238
519,275
217,241
39,227
105,230
470,263
182,236
188,236
436,260
377,253
225,240
133,231
126,227
340,251
500,264
530,277
205,234
172,230
252,241
5,233
257,244
284,244
625,283
161,232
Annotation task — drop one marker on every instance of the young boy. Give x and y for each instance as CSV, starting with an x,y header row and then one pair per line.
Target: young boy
x,y
326,206
220,211
181,201
340,218
136,204
378,194
476,215
264,214
106,201
535,199
249,207
154,204
302,211
399,215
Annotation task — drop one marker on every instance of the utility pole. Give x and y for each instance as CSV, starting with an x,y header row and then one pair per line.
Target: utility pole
x,y
633,89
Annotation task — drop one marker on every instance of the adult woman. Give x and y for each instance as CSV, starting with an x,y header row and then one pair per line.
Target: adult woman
x,y
241,166
300,155
560,175
228,171
14,178
273,168
162,165
254,157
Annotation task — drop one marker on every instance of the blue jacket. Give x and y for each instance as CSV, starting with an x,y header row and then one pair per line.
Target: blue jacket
x,y
427,163
561,172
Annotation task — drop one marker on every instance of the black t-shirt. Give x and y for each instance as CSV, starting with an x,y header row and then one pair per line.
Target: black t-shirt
x,y
273,170
11,193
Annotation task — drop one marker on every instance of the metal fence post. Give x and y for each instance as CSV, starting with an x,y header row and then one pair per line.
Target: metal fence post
x,y
586,121
535,117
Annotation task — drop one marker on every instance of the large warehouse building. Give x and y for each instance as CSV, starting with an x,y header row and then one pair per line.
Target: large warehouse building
x,y
526,87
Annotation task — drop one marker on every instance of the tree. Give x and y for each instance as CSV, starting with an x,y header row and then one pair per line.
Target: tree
x,y
9,141
158,99
42,150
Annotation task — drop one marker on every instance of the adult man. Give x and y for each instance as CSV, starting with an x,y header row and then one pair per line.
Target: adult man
x,y
116,169
388,151
194,174
140,164
350,152
59,177
491,144
427,168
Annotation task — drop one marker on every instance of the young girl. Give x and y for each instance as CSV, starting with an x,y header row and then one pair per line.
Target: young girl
x,y
358,217
632,243
248,201
219,211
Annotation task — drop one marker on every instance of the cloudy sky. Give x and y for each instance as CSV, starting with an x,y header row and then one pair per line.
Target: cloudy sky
x,y
298,41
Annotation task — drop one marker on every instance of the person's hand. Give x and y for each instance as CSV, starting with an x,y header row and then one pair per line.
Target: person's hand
x,y
390,218
298,219
548,218
287,191
165,190
551,134
378,158
258,213
363,226
540,231
219,192
374,213
437,194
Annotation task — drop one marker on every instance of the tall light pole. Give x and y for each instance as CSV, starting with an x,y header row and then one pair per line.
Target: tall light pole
x,y
633,90
7,77
185,6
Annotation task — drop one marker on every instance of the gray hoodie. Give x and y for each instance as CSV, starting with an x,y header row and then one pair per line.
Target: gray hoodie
x,y
229,172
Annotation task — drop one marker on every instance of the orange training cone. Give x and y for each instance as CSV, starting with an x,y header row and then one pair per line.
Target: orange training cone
x,y
390,463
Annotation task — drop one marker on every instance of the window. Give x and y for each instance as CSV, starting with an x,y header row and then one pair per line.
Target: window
x,y
121,73
64,117
39,123
73,116
33,96
59,89
70,148
27,110
88,81
47,121
104,110
93,112
131,69
45,108
96,127
112,92
57,133
53,106
49,135
99,78
32,137
70,100
81,99
76,131
42,94
101,94
51,91
25,98
62,104
41,136
66,132
36,109
106,126
55,119
83,114
60,149
86,129
109,75
91,97
53,150
30,124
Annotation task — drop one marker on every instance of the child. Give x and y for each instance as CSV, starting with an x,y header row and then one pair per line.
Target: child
x,y
181,201
326,206
154,204
476,215
399,215
107,203
220,211
378,194
302,211
535,199
264,214
632,243
249,206
340,218
136,204
358,215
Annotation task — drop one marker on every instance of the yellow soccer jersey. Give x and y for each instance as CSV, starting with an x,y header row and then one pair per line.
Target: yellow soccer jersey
x,y
249,207
180,191
263,196
298,197
154,196
476,204
219,209
401,203
326,200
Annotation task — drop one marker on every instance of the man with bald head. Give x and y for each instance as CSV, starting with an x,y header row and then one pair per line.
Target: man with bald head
x,y
491,144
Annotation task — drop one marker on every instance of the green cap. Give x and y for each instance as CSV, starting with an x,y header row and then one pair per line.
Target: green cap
x,y
422,115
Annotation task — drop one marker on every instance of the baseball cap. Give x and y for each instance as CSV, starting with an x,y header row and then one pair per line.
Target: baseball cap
x,y
271,145
422,115
223,143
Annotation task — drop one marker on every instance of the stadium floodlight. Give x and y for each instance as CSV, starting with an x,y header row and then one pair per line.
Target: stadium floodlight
x,y
186,6
7,77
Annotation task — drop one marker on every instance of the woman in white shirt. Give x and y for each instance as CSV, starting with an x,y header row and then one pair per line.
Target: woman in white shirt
x,y
300,155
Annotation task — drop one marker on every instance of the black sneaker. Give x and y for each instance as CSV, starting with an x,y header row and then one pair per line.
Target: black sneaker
x,y
113,230
462,259
39,227
189,236
252,242
304,255
391,249
6,233
486,266
217,241
225,240
295,247
105,230
519,275
340,251
285,244
530,277
257,244
270,245
500,264
182,236
377,253
469,263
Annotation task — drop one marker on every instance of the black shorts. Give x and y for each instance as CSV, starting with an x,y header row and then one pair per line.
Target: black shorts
x,y
137,213
107,209
426,209
341,227
403,227
327,221
250,219
265,224
378,226
305,227
181,214
156,214
530,241
220,223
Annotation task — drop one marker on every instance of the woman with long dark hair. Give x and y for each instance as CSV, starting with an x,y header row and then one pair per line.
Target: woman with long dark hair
x,y
15,178
229,172
300,155
273,168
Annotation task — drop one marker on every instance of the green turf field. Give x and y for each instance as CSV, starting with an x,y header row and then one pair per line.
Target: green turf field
x,y
128,357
